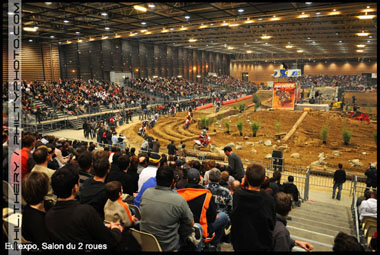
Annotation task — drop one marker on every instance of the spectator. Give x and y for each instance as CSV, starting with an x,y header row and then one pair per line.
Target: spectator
x,y
367,195
92,191
371,174
53,161
69,221
235,186
290,188
369,207
58,153
281,236
274,183
166,214
253,215
150,170
27,163
85,164
339,179
202,204
156,146
346,243
115,210
117,174
235,167
226,179
171,148
35,187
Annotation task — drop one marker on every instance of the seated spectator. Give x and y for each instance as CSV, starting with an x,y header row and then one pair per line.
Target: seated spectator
x,y
202,204
346,243
150,170
53,161
290,188
117,174
265,186
58,153
92,191
369,207
226,179
69,221
85,164
115,209
35,187
281,236
235,186
367,195
166,214
253,215
131,184
223,197
274,183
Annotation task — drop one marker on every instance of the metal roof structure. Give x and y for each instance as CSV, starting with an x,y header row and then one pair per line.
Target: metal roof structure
x,y
248,30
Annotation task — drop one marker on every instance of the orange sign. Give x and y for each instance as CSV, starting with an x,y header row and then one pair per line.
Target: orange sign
x,y
283,95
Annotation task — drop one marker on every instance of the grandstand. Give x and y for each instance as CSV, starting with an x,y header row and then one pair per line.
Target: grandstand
x,y
126,98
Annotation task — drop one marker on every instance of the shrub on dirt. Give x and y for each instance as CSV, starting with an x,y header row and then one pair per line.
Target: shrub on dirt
x,y
239,126
241,107
227,127
255,127
324,133
346,136
278,127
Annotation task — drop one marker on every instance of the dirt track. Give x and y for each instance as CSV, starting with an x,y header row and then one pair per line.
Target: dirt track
x,y
306,140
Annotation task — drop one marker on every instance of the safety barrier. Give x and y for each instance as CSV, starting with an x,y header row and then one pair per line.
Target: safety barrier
x,y
229,102
354,209
206,106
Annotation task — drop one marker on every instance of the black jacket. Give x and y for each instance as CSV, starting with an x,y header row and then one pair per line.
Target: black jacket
x,y
172,149
93,193
339,176
291,188
253,219
116,174
70,221
33,225
281,236
235,166
371,174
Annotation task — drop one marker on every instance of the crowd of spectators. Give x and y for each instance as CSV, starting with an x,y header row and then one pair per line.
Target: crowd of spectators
x,y
230,82
343,81
75,192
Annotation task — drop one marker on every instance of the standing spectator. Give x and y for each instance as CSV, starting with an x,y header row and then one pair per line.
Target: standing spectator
x,y
156,146
274,183
35,187
290,188
121,141
114,139
369,207
371,174
253,215
86,129
70,221
171,148
235,166
339,179
281,236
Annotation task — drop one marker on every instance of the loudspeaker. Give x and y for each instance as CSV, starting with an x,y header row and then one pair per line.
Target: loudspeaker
x,y
277,161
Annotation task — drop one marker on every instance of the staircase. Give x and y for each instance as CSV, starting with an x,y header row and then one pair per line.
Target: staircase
x,y
42,104
318,223
76,123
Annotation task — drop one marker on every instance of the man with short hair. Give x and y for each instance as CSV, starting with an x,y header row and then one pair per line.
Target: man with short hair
x,y
290,188
171,148
85,164
339,179
371,174
235,186
369,207
281,236
253,215
150,170
235,166
69,221
164,213
92,191
58,153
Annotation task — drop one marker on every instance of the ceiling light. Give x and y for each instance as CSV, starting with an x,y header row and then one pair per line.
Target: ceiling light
x,y
143,30
164,30
48,3
151,5
183,28
359,50
211,24
266,37
192,40
260,19
368,7
340,41
171,29
368,10
66,21
30,29
132,34
36,28
107,28
139,8
148,32
266,43
11,13
366,16
360,45
30,40
362,34
68,42
275,18
104,14
11,33
308,2
249,51
302,16
334,12
52,36
370,36
224,24
143,23
317,13
117,36
289,46
299,51
234,25
248,21
203,26
313,41
187,17
230,48
80,40
77,32
368,41
241,10
91,39
104,37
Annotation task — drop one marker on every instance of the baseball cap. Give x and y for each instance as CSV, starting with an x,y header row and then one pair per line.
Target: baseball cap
x,y
154,158
193,175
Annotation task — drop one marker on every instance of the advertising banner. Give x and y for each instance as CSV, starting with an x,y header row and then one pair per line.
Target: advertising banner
x,y
287,73
283,95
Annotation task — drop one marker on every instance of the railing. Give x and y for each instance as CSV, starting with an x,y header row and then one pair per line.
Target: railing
x,y
354,209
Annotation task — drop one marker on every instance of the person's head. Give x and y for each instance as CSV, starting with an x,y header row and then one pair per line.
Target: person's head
x,y
154,159
133,149
290,178
372,165
123,162
225,175
193,176
235,185
227,150
276,176
116,156
28,141
65,181
340,165
113,190
35,187
255,174
85,160
283,203
41,155
101,166
164,176
374,194
345,243
197,164
214,175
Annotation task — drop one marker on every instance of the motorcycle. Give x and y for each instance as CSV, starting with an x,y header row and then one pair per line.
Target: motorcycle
x,y
198,144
